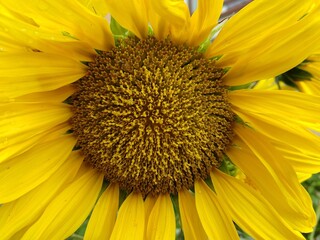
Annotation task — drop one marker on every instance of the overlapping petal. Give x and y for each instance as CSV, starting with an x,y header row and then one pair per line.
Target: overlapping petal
x,y
125,13
176,17
256,157
96,6
69,209
58,95
130,223
30,72
21,121
203,20
24,35
256,21
266,48
70,18
191,224
215,220
22,143
27,209
104,215
26,171
250,210
280,105
162,222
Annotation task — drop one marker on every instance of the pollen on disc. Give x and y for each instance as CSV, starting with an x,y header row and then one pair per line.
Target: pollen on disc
x,y
153,116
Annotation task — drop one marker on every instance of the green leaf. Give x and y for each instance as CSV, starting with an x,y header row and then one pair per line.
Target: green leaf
x,y
298,74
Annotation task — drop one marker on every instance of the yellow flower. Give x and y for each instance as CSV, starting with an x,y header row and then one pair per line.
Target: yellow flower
x,y
123,118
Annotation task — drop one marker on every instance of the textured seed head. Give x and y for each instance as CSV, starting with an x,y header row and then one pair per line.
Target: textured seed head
x,y
152,116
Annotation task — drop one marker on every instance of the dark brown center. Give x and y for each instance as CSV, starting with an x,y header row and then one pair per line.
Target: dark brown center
x,y
152,116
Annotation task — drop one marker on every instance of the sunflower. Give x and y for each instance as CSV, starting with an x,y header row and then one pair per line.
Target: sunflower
x,y
136,121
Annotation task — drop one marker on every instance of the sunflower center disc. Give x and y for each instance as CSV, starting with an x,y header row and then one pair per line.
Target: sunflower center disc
x,y
152,116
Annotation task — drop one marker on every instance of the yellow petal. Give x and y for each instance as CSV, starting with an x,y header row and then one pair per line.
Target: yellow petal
x,y
19,235
191,224
131,14
29,72
57,95
23,142
214,218
298,145
160,25
250,210
96,6
69,209
309,87
303,176
22,36
267,56
5,210
21,121
104,214
130,222
77,50
283,105
313,67
176,11
28,208
69,18
257,20
162,222
176,14
281,132
203,20
3,217
8,20
274,177
300,160
148,206
23,173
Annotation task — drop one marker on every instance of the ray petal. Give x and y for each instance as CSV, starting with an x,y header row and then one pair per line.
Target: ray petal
x,y
130,222
104,215
22,121
266,56
28,208
175,15
69,209
23,173
255,21
215,220
162,222
191,224
203,20
70,18
132,17
24,73
274,177
250,210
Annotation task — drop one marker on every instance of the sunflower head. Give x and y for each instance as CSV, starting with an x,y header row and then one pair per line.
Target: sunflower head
x,y
143,122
